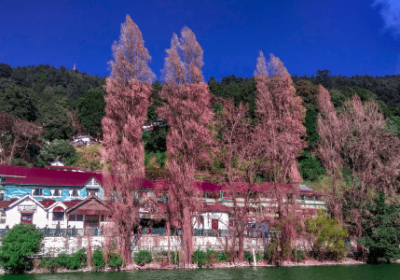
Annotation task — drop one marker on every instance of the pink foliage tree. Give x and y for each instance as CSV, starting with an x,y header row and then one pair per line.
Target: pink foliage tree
x,y
127,100
188,114
130,55
371,156
281,115
355,139
330,129
243,157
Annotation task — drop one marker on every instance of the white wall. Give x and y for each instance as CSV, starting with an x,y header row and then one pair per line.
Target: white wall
x,y
13,214
223,220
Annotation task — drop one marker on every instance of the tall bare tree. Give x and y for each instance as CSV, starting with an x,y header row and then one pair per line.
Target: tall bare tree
x,y
330,130
127,101
130,56
281,115
188,114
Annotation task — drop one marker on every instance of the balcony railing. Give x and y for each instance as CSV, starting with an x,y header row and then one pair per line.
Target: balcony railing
x,y
63,232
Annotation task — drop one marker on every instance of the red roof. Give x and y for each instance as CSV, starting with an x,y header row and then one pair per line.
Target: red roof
x,y
49,177
214,208
5,203
72,202
47,202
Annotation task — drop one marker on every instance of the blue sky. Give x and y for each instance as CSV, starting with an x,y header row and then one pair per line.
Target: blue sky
x,y
348,37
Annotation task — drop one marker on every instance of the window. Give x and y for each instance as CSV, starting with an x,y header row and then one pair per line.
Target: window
x,y
92,191
92,220
76,218
26,218
58,216
2,193
75,193
57,192
3,217
37,192
214,223
93,182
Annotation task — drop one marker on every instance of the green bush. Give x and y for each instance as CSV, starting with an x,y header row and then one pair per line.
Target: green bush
x,y
98,259
199,257
78,260
249,256
173,254
49,263
221,256
62,260
267,255
328,236
115,260
142,257
271,253
299,255
21,242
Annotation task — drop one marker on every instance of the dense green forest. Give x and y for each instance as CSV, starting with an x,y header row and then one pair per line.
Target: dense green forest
x,y
67,102
58,102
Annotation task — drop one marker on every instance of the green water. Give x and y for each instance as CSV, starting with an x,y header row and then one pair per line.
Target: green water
x,y
364,272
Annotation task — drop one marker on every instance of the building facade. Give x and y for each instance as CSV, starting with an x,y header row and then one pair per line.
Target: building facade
x,y
52,199
52,184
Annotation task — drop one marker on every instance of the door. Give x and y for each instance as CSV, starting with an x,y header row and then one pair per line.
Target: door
x,y
26,218
214,224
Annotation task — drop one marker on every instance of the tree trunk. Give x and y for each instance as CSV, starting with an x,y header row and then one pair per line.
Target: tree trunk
x,y
187,236
241,245
126,247
169,242
12,151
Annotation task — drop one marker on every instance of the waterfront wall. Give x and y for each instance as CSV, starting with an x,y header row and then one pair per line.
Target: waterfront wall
x,y
57,245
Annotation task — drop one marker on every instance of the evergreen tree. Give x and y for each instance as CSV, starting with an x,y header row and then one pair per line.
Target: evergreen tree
x,y
382,231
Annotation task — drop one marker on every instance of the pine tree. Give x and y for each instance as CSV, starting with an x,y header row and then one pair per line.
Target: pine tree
x,y
188,114
127,102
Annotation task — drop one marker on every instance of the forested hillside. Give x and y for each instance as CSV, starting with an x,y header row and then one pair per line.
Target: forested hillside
x,y
56,103
65,102
383,90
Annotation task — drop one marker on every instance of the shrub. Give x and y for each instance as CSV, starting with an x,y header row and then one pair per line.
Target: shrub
x,y
78,260
249,256
49,263
115,260
271,253
199,257
98,259
221,256
142,257
160,256
173,255
21,242
299,255
328,236
62,260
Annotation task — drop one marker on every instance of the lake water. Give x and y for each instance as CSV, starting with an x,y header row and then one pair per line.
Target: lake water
x,y
364,272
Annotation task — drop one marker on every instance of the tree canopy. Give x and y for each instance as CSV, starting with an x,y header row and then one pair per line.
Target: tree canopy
x,y
91,109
